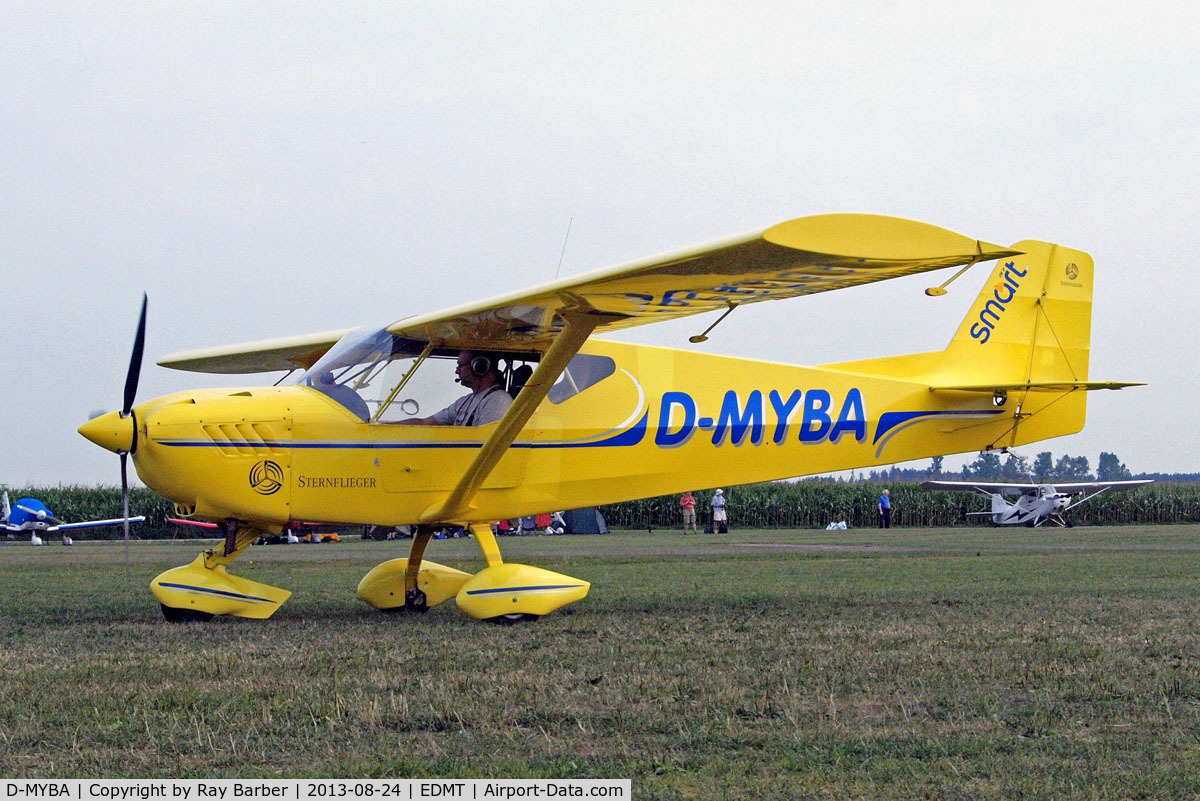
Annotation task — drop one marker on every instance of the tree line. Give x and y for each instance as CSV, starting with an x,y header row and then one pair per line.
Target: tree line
x,y
817,503
1042,469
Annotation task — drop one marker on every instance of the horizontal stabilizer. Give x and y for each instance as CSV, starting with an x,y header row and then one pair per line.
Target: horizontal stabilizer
x,y
1038,386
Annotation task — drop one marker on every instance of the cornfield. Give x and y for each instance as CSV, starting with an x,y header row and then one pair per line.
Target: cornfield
x,y
807,504
74,504
814,504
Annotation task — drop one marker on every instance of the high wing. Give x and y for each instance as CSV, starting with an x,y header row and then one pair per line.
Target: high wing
x,y
95,523
1089,491
803,256
1095,486
991,488
263,356
1031,489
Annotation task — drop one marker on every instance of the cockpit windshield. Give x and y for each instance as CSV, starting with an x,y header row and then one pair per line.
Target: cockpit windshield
x,y
349,367
385,378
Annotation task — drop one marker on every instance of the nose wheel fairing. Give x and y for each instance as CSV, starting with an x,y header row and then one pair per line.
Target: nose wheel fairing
x,y
205,588
209,590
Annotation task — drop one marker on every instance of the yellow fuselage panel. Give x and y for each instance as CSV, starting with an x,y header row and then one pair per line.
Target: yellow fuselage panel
x,y
665,421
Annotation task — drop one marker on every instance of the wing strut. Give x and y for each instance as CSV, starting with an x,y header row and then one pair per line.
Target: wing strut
x,y
579,326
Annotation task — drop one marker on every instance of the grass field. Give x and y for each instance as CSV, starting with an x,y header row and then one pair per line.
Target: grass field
x,y
930,663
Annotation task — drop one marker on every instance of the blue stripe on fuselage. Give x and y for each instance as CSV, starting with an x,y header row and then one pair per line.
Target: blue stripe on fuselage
x,y
623,439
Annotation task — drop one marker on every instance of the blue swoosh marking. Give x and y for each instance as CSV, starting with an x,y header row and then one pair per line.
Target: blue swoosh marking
x,y
632,436
889,420
496,590
225,593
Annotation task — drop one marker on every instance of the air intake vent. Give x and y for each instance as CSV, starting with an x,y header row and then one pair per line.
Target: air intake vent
x,y
243,439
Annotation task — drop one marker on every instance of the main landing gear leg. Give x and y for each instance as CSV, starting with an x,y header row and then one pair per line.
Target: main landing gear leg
x,y
414,597
413,584
487,543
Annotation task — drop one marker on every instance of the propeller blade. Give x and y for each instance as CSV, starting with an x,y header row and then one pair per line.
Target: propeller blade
x,y
135,364
125,507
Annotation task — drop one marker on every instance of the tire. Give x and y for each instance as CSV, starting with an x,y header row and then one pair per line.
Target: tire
x,y
176,615
511,620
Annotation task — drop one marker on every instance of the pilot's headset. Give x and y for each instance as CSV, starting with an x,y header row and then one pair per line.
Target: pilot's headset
x,y
481,366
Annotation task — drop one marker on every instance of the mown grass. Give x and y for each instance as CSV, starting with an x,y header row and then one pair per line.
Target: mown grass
x,y
930,663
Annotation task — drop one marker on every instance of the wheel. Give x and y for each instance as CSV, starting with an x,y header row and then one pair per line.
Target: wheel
x,y
512,620
175,615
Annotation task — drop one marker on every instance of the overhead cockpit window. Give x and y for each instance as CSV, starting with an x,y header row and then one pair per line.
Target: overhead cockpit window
x,y
582,372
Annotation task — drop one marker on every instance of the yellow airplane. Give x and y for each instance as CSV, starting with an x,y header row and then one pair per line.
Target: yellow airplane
x,y
598,421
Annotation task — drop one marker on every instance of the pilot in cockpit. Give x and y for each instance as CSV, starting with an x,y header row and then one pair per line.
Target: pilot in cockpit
x,y
487,401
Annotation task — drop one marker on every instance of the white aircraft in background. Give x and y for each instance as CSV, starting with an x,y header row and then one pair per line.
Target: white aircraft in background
x,y
1037,502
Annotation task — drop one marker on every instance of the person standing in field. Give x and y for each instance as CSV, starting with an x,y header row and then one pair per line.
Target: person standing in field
x,y
688,504
885,510
718,512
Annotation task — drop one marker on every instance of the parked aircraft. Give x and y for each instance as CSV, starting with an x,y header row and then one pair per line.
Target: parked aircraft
x,y
598,421
32,516
1036,503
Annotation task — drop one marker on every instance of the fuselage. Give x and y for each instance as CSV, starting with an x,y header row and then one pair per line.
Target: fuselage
x,y
1029,508
660,421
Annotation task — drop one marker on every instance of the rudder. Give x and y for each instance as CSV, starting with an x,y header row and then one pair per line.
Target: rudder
x,y
1032,321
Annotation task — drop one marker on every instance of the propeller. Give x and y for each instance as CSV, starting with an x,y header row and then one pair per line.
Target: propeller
x,y
41,515
131,384
135,361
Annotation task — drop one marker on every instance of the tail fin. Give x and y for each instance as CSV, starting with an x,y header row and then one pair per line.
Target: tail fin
x,y
1024,345
1031,324
1026,342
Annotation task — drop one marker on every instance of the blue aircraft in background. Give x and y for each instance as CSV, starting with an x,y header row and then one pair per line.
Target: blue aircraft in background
x,y
30,514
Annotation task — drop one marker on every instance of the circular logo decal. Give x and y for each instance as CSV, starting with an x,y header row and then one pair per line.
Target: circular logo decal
x,y
1072,271
266,477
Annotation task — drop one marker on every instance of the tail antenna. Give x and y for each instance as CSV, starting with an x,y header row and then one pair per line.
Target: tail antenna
x,y
564,248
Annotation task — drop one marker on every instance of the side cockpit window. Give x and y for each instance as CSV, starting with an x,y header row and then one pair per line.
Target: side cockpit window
x,y
582,372
382,378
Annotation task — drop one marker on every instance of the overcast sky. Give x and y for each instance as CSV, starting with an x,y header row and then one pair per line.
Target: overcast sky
x,y
272,169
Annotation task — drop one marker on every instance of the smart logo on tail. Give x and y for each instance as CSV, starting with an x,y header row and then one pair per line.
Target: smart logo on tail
x,y
1004,292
